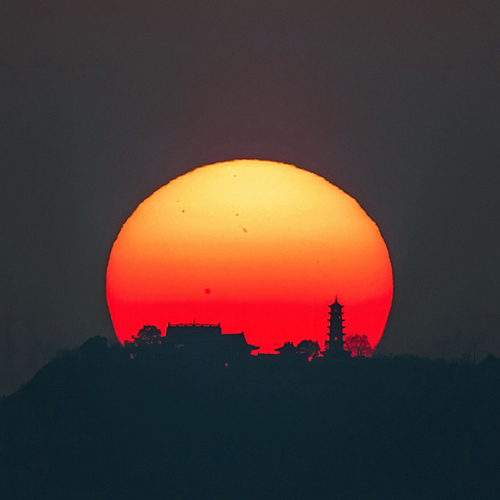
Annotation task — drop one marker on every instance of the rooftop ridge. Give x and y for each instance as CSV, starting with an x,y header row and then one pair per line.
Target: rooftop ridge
x,y
194,324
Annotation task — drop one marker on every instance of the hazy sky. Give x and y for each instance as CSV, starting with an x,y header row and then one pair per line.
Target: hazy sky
x,y
396,103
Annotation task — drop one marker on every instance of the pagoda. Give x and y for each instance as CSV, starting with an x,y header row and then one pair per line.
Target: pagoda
x,y
336,331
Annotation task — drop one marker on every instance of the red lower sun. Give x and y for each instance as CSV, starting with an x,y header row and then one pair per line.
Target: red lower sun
x,y
259,246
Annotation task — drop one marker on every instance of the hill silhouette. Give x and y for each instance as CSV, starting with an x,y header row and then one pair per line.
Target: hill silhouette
x,y
95,423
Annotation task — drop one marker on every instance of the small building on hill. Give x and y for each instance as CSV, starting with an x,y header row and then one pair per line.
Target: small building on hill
x,y
287,349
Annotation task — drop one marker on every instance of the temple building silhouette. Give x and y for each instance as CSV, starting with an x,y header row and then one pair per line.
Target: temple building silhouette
x,y
287,348
204,338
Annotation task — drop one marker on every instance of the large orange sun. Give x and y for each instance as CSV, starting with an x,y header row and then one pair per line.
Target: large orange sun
x,y
259,246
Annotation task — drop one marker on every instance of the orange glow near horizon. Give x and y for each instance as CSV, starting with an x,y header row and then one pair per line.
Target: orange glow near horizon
x,y
259,246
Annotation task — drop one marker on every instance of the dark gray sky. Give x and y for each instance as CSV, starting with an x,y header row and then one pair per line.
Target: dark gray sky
x,y
395,102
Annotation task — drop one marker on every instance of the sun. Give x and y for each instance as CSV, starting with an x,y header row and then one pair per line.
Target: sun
x,y
259,246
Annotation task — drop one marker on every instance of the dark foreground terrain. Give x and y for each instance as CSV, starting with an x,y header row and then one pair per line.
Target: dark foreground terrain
x,y
96,424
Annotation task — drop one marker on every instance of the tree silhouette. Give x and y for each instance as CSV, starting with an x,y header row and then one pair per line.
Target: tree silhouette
x,y
309,347
147,335
95,346
359,345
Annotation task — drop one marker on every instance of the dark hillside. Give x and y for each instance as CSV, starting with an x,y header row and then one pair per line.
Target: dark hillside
x,y
95,424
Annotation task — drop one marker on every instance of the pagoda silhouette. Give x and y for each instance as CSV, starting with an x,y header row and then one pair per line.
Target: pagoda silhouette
x,y
335,347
